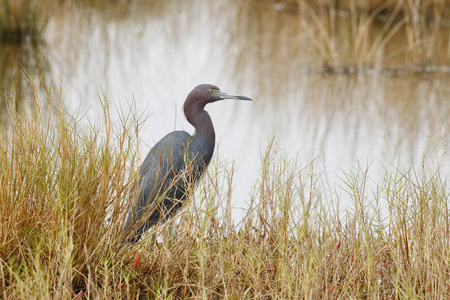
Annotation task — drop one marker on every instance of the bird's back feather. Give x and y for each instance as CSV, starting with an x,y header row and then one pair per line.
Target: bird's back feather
x,y
170,169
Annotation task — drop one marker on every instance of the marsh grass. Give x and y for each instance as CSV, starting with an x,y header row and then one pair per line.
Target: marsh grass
x,y
393,36
65,189
60,182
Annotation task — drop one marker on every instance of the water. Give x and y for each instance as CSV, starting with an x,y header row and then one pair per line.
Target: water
x,y
152,53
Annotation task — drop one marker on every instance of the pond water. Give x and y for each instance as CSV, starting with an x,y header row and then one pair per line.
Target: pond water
x,y
150,54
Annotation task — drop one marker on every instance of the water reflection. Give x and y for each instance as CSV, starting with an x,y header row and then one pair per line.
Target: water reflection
x,y
354,90
153,53
22,66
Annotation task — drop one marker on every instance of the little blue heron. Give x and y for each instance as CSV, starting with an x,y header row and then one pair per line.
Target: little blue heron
x,y
174,165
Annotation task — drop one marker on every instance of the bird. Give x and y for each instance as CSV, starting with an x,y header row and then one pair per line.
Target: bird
x,y
174,165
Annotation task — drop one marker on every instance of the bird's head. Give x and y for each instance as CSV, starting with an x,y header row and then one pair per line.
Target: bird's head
x,y
207,93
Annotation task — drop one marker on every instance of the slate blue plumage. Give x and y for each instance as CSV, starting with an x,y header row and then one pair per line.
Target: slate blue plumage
x,y
174,165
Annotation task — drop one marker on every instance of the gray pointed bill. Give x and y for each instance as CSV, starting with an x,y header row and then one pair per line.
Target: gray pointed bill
x,y
224,95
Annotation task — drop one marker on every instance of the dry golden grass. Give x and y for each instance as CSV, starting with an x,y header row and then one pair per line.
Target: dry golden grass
x,y
64,190
390,36
396,36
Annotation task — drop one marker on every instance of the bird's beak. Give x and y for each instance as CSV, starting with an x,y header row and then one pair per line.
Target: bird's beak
x,y
223,95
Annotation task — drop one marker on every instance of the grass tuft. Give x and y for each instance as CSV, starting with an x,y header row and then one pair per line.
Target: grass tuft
x,y
62,192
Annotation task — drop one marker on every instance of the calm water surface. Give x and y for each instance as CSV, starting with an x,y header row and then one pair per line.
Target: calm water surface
x,y
152,53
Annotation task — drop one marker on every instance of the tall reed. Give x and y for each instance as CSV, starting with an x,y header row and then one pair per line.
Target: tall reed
x,y
353,35
63,186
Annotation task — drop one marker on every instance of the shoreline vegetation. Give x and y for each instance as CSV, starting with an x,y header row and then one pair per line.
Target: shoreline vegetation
x,y
389,38
64,189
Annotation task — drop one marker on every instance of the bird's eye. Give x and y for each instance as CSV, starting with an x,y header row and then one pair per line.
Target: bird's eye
x,y
210,91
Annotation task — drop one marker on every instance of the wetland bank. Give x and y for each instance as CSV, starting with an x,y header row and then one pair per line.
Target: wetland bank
x,y
348,200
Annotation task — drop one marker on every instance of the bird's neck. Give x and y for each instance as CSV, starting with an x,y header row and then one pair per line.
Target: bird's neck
x,y
204,129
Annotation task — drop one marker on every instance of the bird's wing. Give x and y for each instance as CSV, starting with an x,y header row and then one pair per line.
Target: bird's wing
x,y
156,180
